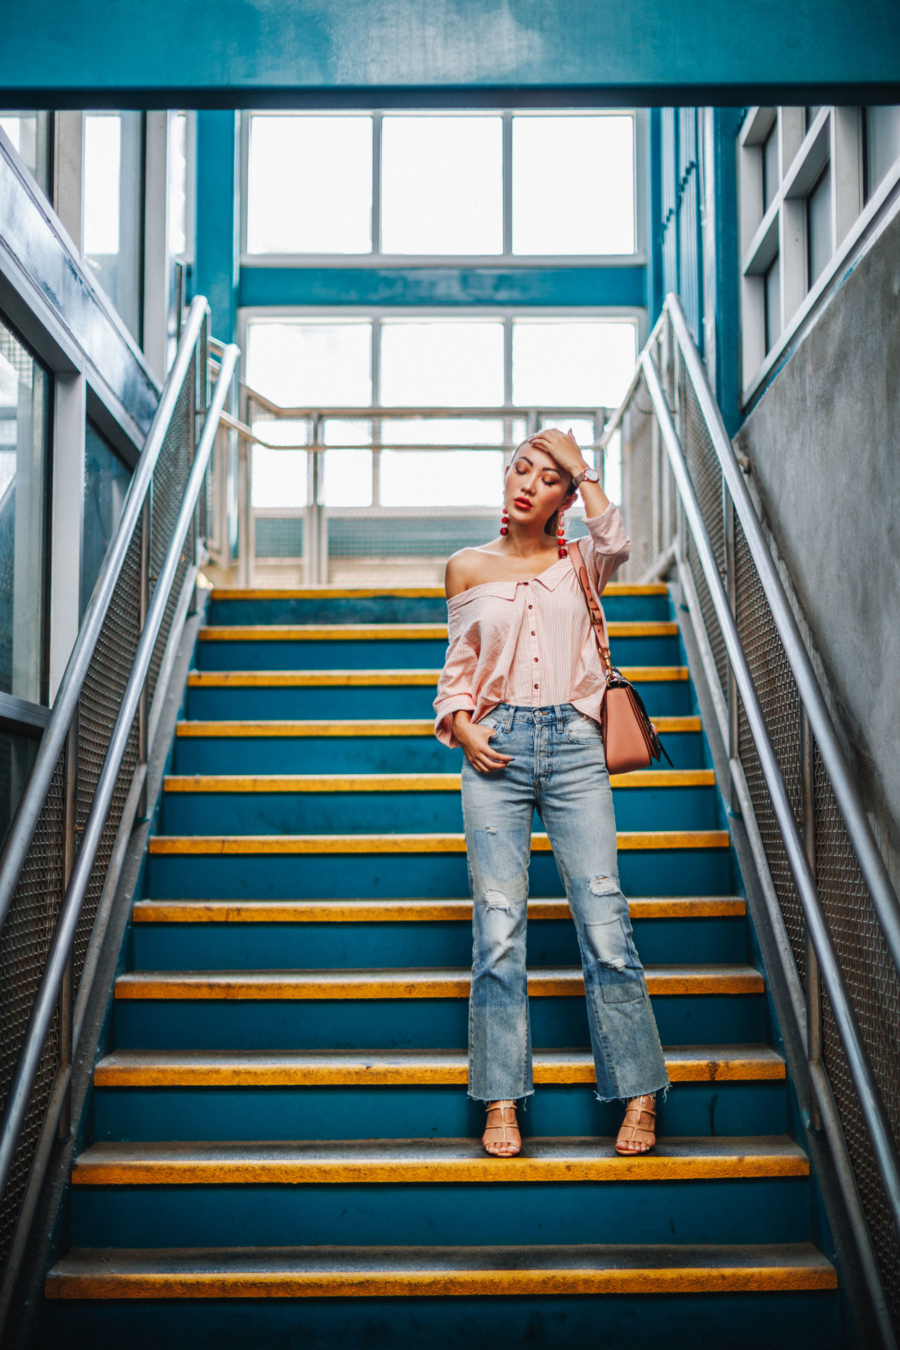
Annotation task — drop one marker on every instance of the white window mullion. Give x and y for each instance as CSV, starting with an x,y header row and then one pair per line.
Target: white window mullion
x,y
507,188
376,183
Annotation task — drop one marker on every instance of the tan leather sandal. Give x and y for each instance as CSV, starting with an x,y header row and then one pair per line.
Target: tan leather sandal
x,y
508,1145
638,1108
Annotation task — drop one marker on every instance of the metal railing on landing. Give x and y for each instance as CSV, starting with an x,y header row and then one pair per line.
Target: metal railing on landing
x,y
377,433
63,854
833,911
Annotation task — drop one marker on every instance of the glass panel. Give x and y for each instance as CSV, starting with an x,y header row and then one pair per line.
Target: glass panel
x,y
573,184
452,431
29,133
580,427
113,199
178,185
311,365
818,226
106,481
442,478
278,478
580,362
445,363
346,474
772,293
310,185
882,144
17,754
771,176
24,430
441,184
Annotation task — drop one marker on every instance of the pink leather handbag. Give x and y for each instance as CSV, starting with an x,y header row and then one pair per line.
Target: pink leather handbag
x,y
629,737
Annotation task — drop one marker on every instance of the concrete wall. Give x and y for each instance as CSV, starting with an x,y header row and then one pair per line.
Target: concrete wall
x,y
824,443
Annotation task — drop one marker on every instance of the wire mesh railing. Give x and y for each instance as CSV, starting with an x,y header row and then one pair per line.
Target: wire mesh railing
x,y
86,782
848,876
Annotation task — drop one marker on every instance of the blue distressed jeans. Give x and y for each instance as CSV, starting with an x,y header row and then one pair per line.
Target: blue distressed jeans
x,y
559,767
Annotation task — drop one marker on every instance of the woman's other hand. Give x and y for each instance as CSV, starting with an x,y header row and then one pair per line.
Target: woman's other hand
x,y
476,743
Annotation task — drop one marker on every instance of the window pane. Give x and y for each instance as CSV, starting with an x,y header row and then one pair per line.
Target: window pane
x,y
585,363
573,184
771,175
310,185
311,365
347,474
113,208
452,431
28,132
443,363
442,478
17,754
612,468
772,295
580,427
278,477
882,144
106,481
178,185
818,226
24,428
442,184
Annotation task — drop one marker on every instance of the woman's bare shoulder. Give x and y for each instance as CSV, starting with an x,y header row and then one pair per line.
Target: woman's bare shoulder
x,y
464,570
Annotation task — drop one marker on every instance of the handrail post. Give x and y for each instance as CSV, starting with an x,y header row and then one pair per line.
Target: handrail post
x,y
813,977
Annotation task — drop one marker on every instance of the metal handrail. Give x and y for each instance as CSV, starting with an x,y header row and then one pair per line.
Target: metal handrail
x,y
845,1018
46,1000
31,804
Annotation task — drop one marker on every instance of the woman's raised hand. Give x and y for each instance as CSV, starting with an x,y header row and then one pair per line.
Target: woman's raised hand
x,y
563,447
476,743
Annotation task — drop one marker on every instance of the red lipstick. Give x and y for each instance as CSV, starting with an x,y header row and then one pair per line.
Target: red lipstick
x,y
523,503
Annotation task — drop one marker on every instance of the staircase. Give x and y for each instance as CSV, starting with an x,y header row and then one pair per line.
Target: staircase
x,y
283,1151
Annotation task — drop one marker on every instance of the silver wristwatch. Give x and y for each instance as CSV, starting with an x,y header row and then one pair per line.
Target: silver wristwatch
x,y
591,475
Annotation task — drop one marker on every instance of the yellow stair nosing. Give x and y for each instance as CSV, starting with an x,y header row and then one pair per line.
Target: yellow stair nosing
x,y
402,983
303,679
399,782
297,844
388,632
430,1161
371,911
410,1068
366,1272
249,728
388,592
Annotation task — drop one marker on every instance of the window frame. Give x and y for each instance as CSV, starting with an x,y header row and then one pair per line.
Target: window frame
x,y
506,259
834,140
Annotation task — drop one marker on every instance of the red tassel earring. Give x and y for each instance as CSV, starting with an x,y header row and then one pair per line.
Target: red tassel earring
x,y
561,540
504,522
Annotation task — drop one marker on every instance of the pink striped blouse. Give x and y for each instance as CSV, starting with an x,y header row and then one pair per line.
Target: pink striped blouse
x,y
529,643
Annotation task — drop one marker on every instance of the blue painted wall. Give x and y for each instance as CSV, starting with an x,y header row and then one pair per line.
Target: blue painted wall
x,y
218,206
229,53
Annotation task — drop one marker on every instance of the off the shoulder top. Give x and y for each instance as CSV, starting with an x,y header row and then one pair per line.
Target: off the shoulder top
x,y
529,643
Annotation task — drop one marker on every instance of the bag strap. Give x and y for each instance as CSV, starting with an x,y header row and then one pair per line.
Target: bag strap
x,y
595,611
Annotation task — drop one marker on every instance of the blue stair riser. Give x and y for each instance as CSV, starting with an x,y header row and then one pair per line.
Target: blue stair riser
x,y
398,609
662,698
758,1210
395,1024
357,754
193,813
388,653
329,876
331,946
428,1112
803,1321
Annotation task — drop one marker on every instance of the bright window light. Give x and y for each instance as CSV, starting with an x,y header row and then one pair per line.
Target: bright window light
x,y
347,474
311,365
581,362
612,465
441,184
441,362
441,477
178,185
310,185
453,431
580,427
573,184
278,478
102,165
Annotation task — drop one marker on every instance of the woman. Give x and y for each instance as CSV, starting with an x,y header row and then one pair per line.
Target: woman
x,y
521,691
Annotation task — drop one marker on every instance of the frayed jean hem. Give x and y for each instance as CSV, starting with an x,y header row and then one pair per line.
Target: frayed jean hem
x,y
648,1092
499,1097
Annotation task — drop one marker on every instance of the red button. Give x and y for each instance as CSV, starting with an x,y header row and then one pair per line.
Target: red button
x,y
535,660
535,686
532,632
